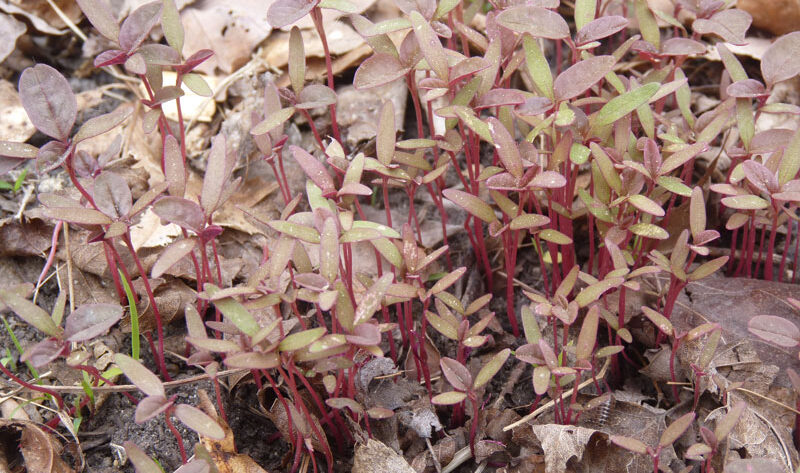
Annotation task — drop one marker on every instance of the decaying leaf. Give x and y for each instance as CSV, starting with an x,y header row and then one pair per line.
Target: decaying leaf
x,y
376,457
40,452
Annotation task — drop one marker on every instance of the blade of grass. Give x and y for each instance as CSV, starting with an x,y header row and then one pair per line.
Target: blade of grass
x,y
134,317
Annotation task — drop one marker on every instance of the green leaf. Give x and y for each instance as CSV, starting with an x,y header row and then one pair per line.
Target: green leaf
x,y
593,292
647,23
538,67
674,185
648,230
171,25
237,314
273,121
790,163
541,379
197,84
584,12
295,230
387,131
646,205
554,236
708,268
491,368
745,202
302,339
624,104
448,398
199,421
144,379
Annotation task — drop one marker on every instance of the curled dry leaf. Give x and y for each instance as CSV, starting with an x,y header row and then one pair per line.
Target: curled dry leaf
x,y
39,451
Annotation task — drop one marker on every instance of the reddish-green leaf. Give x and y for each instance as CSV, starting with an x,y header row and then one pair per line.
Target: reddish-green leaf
x,y
708,268
506,147
776,65
29,312
217,177
371,301
98,125
588,335
144,379
142,463
456,374
471,204
171,255
199,421
676,429
580,76
662,323
430,45
774,329
378,69
727,423
629,443
91,320
541,379
297,60
745,202
646,205
138,24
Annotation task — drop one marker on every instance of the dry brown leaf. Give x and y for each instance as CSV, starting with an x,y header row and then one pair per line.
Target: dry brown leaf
x,y
24,238
376,457
15,125
732,303
40,452
776,16
561,443
223,452
42,16
341,39
231,28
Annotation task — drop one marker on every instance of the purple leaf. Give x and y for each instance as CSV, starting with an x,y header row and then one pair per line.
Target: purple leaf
x,y
682,47
48,100
760,176
506,148
44,352
315,96
182,212
600,28
137,26
142,463
50,156
112,195
582,75
314,169
99,125
500,97
730,25
99,14
748,88
150,407
456,373
536,21
285,12
779,61
378,69
91,320
110,58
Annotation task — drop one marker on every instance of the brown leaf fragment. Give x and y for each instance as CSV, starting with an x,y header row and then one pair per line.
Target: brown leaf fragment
x,y
40,452
376,457
223,452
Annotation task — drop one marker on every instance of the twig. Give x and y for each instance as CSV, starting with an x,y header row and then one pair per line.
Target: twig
x,y
552,403
131,388
80,34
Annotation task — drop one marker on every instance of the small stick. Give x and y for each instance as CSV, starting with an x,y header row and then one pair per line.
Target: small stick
x,y
131,388
550,404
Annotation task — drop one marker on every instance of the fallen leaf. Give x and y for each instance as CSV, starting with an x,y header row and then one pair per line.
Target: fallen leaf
x,y
376,457
230,28
40,452
223,452
16,126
